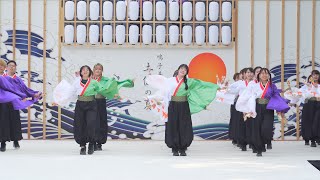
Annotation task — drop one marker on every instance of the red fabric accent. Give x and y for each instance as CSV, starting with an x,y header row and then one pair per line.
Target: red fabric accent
x,y
85,86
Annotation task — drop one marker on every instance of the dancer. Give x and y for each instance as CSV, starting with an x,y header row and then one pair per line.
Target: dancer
x,y
11,125
260,100
111,93
181,96
84,89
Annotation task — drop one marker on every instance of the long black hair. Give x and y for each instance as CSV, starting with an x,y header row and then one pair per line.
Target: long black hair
x,y
249,69
185,77
90,71
256,68
236,76
267,71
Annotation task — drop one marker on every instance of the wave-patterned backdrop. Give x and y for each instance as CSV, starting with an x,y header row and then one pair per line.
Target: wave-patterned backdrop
x,y
121,123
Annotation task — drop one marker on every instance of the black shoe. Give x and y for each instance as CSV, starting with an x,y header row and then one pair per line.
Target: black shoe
x,y
259,154
16,145
250,146
306,142
95,147
175,152
313,144
3,147
244,148
254,150
99,147
269,146
234,142
91,148
83,150
264,149
183,153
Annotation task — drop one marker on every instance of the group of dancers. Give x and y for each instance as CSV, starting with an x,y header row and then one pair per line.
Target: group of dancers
x,y
90,90
254,98
14,96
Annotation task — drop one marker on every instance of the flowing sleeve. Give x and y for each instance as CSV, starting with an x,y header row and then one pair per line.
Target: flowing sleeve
x,y
158,102
223,96
108,88
294,95
246,102
5,84
201,94
115,87
156,81
29,92
234,87
64,93
306,92
276,102
128,83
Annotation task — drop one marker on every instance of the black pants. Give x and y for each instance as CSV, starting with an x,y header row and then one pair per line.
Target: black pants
x,y
10,123
316,123
234,123
85,122
262,127
179,132
102,122
242,136
307,118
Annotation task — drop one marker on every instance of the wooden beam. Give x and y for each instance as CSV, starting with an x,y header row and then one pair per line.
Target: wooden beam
x,y
252,34
44,68
282,55
298,68
267,32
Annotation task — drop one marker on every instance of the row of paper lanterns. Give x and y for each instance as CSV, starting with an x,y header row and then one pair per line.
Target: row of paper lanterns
x,y
160,34
147,11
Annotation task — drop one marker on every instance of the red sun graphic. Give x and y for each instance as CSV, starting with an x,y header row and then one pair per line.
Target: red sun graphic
x,y
206,67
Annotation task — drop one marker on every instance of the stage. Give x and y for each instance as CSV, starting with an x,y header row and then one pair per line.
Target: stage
x,y
152,160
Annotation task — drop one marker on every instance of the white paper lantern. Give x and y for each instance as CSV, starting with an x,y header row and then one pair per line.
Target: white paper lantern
x,y
133,34
120,34
134,10
160,10
187,11
68,34
82,10
226,35
107,34
160,34
173,34
226,11
147,10
213,35
81,34
187,35
146,34
121,10
200,11
200,35
94,10
107,10
213,11
94,34
69,10
173,11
